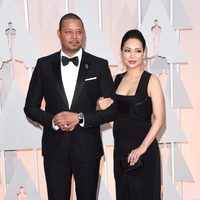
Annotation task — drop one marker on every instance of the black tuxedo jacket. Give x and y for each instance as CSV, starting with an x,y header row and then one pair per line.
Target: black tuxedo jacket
x,y
94,80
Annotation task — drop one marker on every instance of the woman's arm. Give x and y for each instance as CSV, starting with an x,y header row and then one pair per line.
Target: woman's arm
x,y
156,94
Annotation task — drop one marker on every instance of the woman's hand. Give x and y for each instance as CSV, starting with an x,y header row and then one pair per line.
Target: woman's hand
x,y
135,154
103,103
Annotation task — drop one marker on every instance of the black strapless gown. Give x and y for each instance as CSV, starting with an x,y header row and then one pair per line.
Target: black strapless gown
x,y
130,128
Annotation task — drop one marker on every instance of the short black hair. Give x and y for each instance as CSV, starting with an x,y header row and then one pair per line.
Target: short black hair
x,y
69,16
135,34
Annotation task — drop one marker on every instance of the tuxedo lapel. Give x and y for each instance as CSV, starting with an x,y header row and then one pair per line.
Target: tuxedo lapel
x,y
56,68
83,70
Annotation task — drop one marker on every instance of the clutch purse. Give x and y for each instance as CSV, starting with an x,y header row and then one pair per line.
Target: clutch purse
x,y
126,167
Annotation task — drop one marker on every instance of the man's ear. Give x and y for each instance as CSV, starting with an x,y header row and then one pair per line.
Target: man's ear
x,y
58,33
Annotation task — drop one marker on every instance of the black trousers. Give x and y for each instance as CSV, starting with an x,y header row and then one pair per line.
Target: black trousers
x,y
59,175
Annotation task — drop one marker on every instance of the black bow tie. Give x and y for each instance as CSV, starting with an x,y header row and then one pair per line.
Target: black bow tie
x,y
66,60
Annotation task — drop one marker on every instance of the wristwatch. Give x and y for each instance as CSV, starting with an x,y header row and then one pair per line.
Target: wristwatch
x,y
80,117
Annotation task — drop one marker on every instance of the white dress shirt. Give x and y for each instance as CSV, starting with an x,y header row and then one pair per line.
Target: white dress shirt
x,y
69,75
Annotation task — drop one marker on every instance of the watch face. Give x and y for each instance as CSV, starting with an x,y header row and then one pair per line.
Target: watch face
x,y
80,115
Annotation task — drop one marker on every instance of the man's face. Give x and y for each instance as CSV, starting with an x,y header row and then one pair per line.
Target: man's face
x,y
71,36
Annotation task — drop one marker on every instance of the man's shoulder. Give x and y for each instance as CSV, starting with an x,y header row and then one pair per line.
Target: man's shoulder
x,y
94,57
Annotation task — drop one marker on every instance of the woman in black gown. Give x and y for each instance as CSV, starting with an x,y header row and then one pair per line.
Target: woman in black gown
x,y
138,97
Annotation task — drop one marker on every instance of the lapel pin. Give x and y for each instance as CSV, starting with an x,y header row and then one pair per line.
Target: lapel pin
x,y
86,66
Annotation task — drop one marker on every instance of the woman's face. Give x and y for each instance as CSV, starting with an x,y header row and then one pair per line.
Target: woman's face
x,y
133,53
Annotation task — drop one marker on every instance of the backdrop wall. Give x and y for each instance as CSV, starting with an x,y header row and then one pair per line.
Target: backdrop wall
x,y
110,20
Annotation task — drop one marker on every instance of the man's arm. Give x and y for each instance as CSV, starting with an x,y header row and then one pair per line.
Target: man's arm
x,y
98,117
34,98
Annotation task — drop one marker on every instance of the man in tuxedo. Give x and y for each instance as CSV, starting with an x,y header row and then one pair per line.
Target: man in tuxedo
x,y
70,81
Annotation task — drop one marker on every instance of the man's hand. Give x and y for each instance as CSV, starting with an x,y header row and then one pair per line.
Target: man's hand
x,y
66,121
